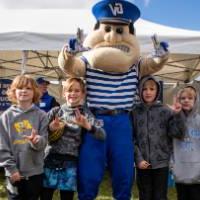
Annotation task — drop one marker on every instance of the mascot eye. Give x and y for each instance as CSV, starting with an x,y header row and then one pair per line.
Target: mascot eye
x,y
119,30
107,29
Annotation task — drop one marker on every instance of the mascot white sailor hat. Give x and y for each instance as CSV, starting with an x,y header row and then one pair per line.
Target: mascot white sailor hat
x,y
116,11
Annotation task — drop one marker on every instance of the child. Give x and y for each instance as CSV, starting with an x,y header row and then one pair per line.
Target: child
x,y
23,137
153,125
186,151
65,138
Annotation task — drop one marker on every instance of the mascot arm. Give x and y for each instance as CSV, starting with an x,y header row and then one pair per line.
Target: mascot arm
x,y
70,64
151,64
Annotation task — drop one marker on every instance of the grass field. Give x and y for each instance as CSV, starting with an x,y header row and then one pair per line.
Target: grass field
x,y
105,192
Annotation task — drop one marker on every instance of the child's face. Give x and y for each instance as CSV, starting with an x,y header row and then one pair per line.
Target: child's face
x,y
24,94
187,101
149,91
74,95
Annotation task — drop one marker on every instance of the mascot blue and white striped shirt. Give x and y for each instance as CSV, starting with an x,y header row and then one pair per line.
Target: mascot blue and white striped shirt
x,y
111,91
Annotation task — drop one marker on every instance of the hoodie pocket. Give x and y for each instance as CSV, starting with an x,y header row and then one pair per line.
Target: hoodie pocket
x,y
187,151
28,160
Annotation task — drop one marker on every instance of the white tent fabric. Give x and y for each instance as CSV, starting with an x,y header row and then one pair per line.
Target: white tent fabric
x,y
43,32
50,29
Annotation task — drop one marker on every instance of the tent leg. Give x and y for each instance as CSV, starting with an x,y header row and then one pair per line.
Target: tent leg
x,y
24,61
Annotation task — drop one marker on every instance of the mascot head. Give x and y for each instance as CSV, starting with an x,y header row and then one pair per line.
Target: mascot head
x,y
113,42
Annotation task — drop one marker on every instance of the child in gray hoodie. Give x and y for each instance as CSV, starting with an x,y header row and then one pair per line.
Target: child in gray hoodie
x,y
66,125
154,126
186,151
23,137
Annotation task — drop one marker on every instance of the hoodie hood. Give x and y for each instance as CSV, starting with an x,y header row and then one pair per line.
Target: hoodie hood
x,y
16,109
141,85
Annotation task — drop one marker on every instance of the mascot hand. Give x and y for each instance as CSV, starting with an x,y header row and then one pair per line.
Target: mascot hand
x,y
65,57
68,60
157,59
66,52
75,46
161,49
70,49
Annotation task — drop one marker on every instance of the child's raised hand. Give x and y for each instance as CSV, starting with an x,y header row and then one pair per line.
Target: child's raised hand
x,y
81,120
55,124
144,165
34,137
176,106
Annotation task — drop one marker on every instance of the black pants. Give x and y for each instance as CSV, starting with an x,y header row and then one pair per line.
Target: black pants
x,y
188,192
28,189
47,194
152,183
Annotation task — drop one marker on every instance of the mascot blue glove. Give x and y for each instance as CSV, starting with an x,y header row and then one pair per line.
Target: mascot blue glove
x,y
164,45
73,44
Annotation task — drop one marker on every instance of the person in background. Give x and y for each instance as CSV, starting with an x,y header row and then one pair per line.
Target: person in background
x,y
23,138
186,158
67,123
154,127
46,101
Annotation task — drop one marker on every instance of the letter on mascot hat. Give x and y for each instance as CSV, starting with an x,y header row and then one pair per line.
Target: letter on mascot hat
x,y
116,11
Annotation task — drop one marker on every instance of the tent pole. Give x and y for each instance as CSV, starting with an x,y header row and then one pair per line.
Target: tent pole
x,y
24,61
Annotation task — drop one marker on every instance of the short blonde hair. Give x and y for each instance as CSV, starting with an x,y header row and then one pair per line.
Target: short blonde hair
x,y
70,81
19,82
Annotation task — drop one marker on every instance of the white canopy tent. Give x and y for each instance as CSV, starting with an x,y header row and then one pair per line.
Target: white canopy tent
x,y
30,41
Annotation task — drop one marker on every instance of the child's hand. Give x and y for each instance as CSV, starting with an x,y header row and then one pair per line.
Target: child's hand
x,y
176,106
55,124
81,120
15,177
144,165
34,137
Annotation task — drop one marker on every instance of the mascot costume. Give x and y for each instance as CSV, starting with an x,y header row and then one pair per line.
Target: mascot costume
x,y
111,67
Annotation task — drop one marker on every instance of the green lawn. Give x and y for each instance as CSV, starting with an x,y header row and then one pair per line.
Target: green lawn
x,y
2,186
104,192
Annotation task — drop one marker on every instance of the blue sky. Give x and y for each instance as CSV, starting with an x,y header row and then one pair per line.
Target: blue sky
x,y
176,13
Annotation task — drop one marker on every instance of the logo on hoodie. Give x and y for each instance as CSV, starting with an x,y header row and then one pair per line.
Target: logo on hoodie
x,y
22,126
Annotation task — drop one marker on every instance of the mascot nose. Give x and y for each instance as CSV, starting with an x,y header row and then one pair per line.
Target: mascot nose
x,y
111,37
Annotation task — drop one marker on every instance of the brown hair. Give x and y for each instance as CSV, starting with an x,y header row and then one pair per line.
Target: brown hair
x,y
151,83
19,82
69,82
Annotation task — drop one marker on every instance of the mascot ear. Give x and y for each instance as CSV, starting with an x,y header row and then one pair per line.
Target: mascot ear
x,y
131,29
96,26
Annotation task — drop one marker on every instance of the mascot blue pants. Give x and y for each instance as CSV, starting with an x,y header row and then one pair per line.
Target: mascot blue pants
x,y
115,154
